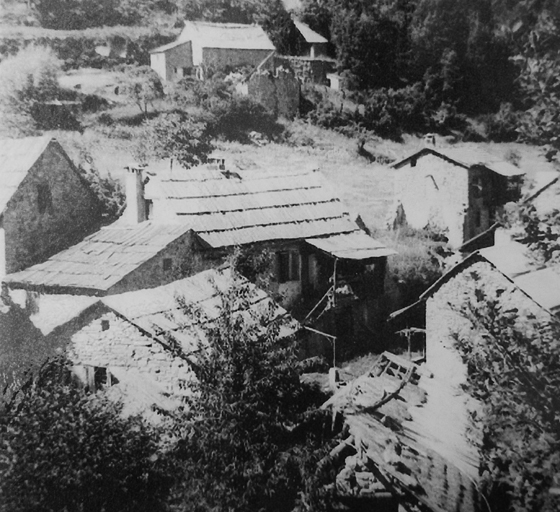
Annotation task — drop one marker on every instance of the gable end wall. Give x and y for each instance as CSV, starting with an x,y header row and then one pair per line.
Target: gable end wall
x,y
32,237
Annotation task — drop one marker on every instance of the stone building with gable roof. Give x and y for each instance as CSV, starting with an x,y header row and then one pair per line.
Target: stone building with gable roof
x,y
203,45
457,190
45,205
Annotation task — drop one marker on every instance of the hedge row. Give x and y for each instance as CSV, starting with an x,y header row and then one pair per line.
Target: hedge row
x,y
77,48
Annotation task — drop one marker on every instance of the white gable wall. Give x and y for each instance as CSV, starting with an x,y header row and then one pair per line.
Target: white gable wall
x,y
434,192
110,341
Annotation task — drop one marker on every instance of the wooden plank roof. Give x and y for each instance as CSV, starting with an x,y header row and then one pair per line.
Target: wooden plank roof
x,y
466,157
101,260
226,35
228,208
383,412
180,309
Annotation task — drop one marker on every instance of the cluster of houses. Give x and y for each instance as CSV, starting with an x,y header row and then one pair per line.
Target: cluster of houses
x,y
121,298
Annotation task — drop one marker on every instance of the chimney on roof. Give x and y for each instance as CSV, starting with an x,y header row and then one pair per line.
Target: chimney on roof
x,y
430,140
135,202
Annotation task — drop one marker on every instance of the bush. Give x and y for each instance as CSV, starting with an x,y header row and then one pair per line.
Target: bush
x,y
62,449
502,126
27,79
235,117
176,135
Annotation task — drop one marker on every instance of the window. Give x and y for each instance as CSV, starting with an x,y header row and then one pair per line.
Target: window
x,y
44,198
477,218
104,325
288,266
149,209
413,162
99,377
167,264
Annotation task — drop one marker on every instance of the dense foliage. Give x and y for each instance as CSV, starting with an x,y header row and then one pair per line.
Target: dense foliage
x,y
26,79
62,449
143,86
177,136
251,440
514,370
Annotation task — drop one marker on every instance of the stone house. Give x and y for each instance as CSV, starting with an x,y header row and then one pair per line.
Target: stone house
x,y
323,260
137,345
505,274
45,205
326,268
204,46
457,190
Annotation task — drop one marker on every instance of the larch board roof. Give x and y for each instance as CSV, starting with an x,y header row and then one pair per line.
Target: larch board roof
x,y
101,260
466,157
226,35
158,310
228,208
421,457
17,156
308,34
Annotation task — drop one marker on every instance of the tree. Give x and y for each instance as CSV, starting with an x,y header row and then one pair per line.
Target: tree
x,y
252,437
62,449
514,370
176,136
143,86
26,79
540,85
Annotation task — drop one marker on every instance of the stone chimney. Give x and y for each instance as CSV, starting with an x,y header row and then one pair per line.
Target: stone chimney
x,y
135,203
430,140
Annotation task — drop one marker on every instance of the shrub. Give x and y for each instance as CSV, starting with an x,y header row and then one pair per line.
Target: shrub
x,y
175,135
142,87
62,449
502,126
28,78
234,118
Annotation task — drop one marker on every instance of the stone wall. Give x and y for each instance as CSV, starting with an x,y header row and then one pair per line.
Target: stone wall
x,y
307,69
220,58
32,236
185,261
434,192
165,63
443,318
279,92
108,341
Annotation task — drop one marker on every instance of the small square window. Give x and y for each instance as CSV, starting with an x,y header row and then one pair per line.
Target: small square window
x,y
167,264
104,325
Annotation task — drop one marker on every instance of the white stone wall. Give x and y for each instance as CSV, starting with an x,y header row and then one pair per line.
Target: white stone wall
x,y
110,341
443,317
434,192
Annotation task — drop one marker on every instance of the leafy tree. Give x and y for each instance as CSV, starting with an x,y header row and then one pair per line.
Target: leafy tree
x,y
540,84
514,370
176,136
29,77
143,86
252,438
371,40
80,14
62,449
